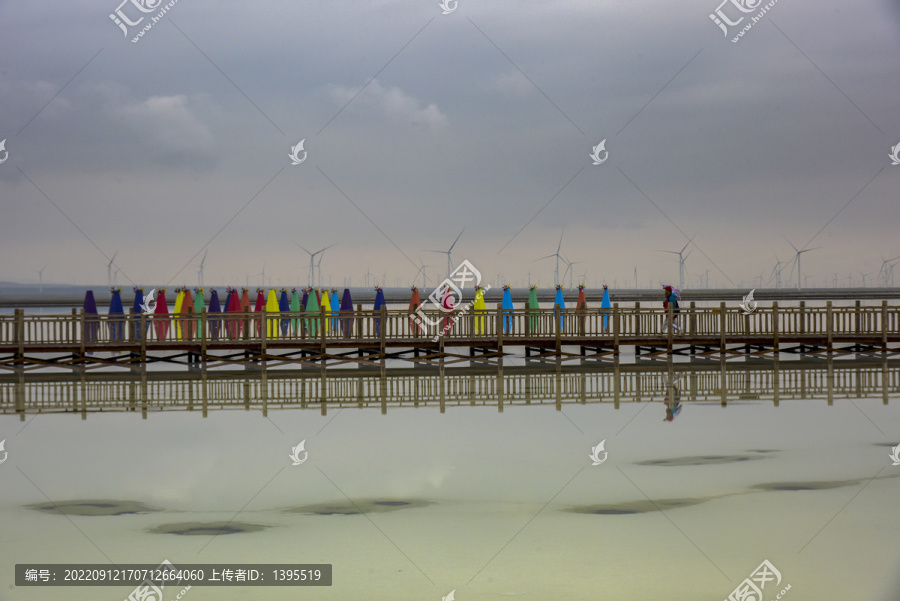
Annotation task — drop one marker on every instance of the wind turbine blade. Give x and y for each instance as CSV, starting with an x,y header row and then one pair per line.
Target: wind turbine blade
x,y
457,240
789,242
691,239
304,250
559,246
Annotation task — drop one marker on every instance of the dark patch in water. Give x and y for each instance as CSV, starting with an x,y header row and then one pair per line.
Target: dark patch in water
x,y
799,486
93,507
359,507
700,460
634,507
206,528
886,444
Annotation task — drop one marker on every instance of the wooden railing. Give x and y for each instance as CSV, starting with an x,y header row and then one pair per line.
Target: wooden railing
x,y
617,324
406,388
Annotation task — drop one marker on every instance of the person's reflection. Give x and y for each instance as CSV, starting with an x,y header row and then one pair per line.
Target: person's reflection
x,y
673,401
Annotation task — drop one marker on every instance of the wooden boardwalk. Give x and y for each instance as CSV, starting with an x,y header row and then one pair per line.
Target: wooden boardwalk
x,y
78,340
323,390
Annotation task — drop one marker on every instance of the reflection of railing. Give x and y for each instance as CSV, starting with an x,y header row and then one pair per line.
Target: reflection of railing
x,y
616,324
330,389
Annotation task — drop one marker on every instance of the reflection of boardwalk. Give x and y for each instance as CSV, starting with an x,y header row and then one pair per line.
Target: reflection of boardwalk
x,y
325,390
371,336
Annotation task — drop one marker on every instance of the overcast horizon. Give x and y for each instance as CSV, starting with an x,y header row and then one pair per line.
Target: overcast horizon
x,y
419,124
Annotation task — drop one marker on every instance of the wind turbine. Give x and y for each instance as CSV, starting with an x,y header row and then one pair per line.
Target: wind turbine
x,y
797,258
558,257
368,275
424,275
681,260
200,269
448,251
883,272
569,270
109,270
313,265
41,277
864,275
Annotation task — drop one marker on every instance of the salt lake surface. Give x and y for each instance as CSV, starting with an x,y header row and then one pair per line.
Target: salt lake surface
x,y
414,503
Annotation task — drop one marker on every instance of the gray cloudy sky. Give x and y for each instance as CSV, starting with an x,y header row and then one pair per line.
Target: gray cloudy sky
x,y
429,123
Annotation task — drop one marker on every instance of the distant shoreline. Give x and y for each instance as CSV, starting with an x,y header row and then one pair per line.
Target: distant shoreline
x,y
21,298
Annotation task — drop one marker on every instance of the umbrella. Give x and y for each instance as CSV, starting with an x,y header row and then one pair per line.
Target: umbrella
x,y
234,306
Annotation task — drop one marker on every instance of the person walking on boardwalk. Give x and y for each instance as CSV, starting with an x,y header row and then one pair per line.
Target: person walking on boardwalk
x,y
671,297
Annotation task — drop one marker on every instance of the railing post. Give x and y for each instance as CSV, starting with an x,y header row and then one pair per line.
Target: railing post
x,y
858,319
20,335
527,320
722,323
382,331
829,326
692,322
143,334
637,318
359,321
775,344
499,328
322,332
203,335
670,326
83,332
263,331
558,327
615,318
803,317
884,324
